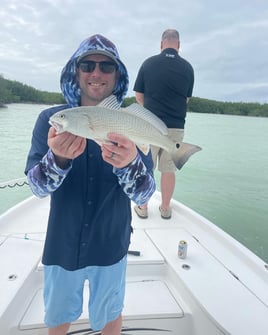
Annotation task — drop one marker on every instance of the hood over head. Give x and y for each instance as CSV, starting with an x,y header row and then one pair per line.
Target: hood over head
x,y
96,44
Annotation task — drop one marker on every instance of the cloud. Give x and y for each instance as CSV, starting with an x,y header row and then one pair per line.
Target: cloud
x,y
226,42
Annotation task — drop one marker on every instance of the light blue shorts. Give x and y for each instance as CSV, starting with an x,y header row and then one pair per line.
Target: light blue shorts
x,y
63,294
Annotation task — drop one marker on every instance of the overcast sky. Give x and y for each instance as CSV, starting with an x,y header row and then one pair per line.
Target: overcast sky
x,y
226,41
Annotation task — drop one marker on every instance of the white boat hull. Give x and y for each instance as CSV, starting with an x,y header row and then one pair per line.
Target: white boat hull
x,y
220,288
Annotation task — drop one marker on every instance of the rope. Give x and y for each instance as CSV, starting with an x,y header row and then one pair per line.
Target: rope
x,y
14,183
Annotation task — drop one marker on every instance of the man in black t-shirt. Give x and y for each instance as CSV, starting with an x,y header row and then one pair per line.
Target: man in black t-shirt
x,y
164,85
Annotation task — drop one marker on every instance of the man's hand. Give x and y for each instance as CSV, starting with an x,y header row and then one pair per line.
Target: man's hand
x,y
65,146
120,152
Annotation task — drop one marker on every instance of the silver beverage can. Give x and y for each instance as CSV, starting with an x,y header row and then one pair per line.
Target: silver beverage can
x,y
182,249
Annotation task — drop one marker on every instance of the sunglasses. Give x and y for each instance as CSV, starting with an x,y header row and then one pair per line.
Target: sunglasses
x,y
105,66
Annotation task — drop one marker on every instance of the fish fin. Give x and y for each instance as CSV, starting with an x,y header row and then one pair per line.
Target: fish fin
x,y
147,116
183,152
144,148
110,102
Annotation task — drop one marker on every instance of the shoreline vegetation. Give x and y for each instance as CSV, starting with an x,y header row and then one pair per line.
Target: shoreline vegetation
x,y
15,92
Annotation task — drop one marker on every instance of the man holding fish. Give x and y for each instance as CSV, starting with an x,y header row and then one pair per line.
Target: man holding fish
x,y
91,184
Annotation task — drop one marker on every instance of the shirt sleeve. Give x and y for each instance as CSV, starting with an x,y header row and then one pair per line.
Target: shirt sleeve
x,y
45,177
137,181
139,82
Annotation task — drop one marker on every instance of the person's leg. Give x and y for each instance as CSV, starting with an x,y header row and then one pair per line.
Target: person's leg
x,y
167,188
168,174
60,330
113,327
167,184
142,211
63,298
107,293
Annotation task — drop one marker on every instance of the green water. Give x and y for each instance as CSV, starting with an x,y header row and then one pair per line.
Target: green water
x,y
227,182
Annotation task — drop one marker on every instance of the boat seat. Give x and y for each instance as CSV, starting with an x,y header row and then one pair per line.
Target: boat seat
x,y
154,297
19,255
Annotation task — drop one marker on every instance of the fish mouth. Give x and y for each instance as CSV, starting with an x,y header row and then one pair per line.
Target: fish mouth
x,y
57,126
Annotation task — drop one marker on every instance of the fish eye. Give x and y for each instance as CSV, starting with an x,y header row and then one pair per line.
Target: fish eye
x,y
62,116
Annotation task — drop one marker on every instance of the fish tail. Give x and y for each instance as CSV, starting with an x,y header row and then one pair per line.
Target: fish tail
x,y
183,152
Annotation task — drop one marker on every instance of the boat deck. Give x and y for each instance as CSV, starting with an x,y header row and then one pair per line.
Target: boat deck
x,y
219,282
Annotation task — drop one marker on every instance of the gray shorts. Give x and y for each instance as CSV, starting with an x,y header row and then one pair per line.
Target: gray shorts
x,y
162,158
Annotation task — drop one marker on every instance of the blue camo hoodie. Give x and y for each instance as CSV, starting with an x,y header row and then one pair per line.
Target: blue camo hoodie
x,y
68,81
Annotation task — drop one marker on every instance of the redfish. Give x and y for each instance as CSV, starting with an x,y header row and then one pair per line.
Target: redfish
x,y
135,122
